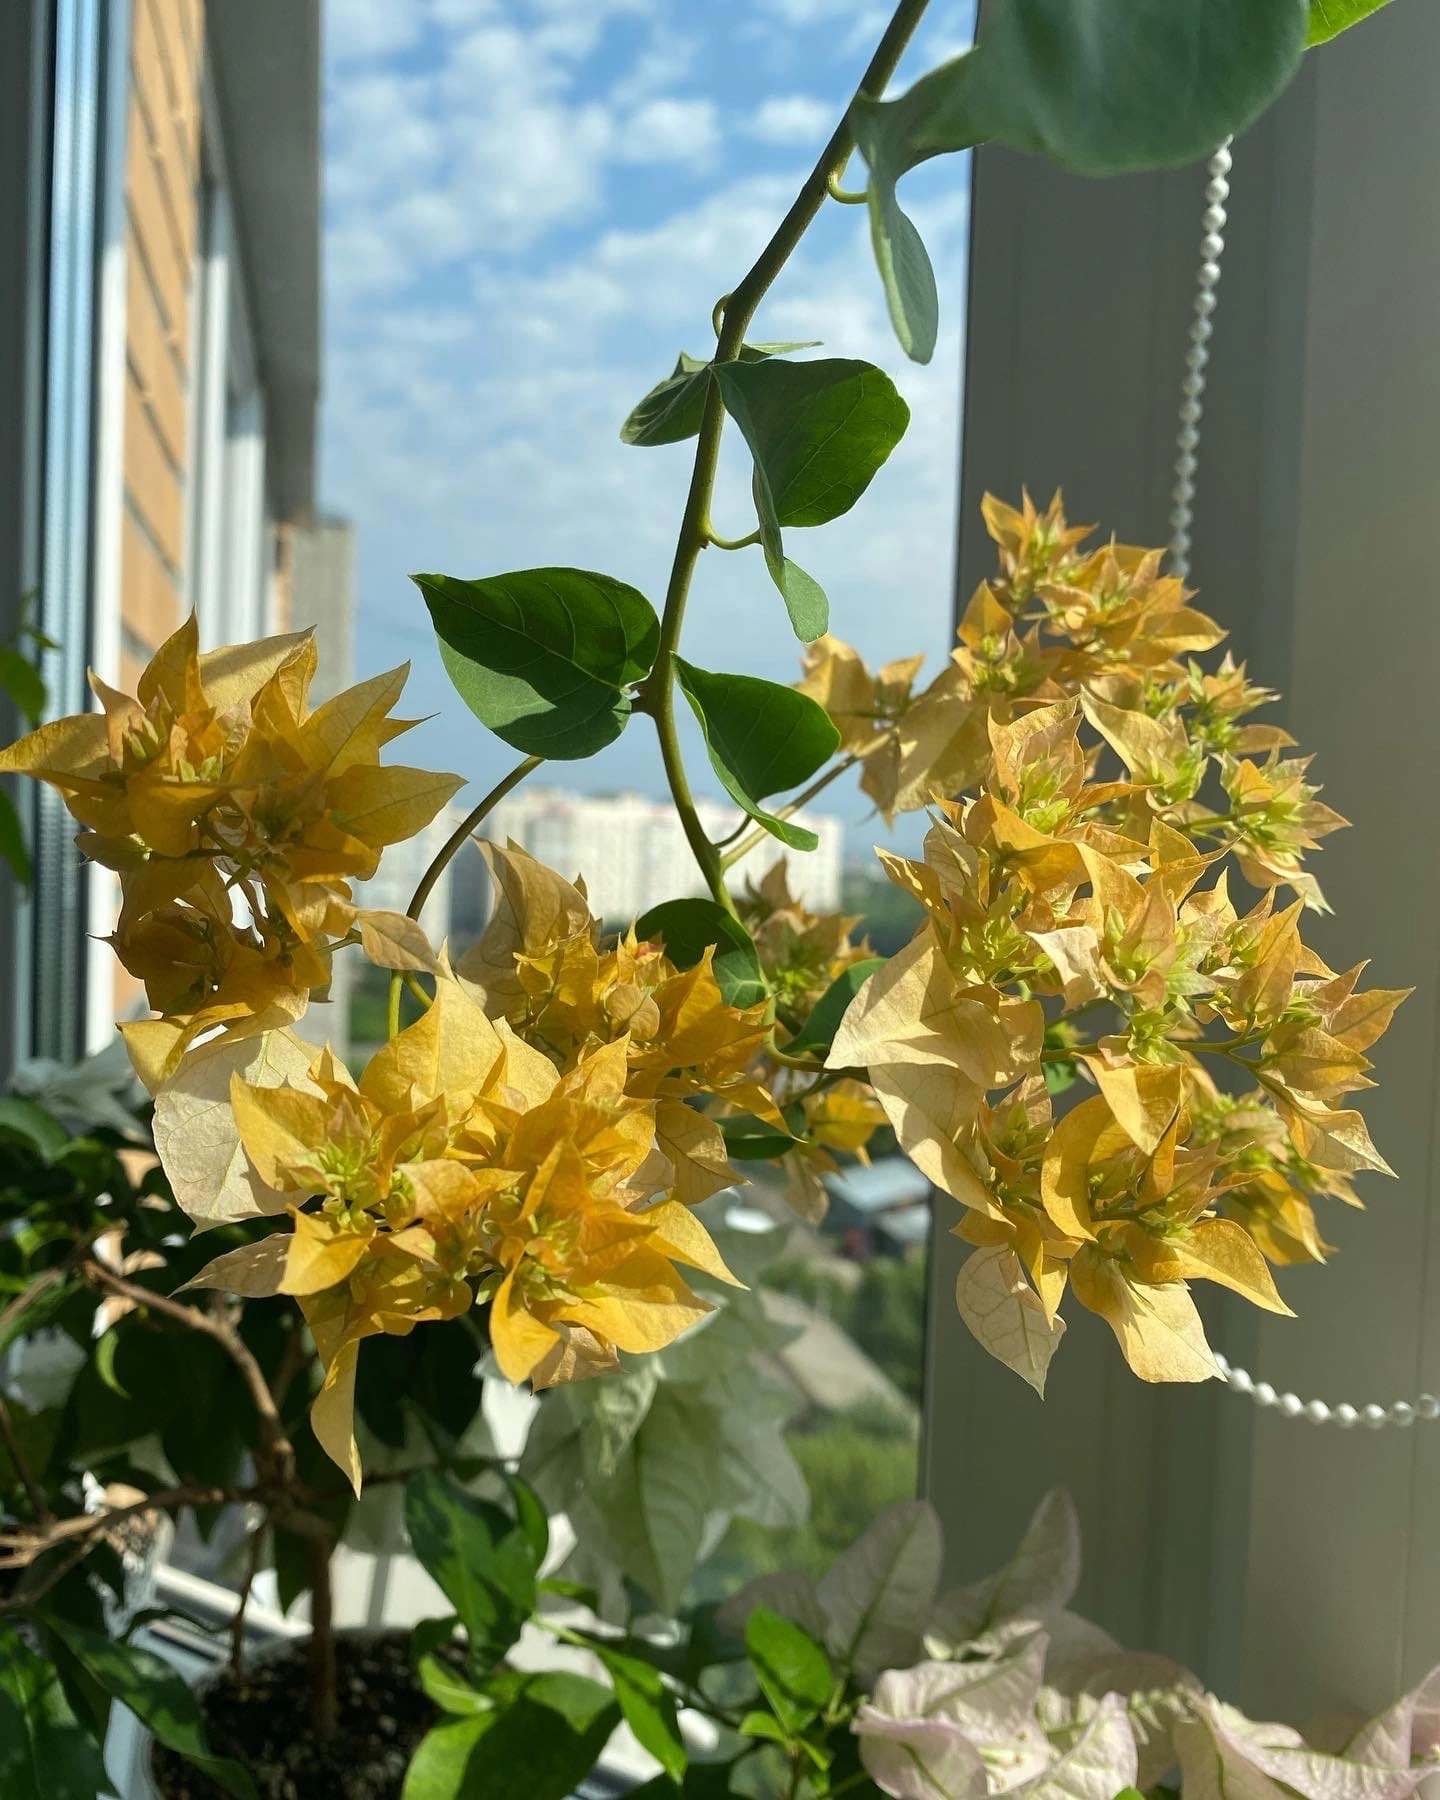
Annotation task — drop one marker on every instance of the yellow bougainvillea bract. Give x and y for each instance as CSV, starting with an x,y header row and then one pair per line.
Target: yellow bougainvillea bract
x,y
1130,1076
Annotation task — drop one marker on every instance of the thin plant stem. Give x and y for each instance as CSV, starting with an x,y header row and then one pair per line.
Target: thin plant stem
x,y
465,829
759,834
253,1548
280,1451
723,543
324,1680
846,196
442,860
734,316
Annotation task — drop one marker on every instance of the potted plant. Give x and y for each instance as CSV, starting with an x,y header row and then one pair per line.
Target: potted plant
x,y
517,1169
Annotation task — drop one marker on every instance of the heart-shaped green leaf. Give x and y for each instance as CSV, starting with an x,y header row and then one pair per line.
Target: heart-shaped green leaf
x,y
762,738
482,1561
688,928
749,1139
45,1752
1100,86
542,1744
673,409
1105,86
648,1706
818,432
1328,18
159,1697
544,656
793,1671
816,1034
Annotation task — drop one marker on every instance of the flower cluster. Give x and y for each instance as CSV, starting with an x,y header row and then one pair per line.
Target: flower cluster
x,y
1080,880
461,1167
803,955
998,1688
545,1172
535,1140
236,817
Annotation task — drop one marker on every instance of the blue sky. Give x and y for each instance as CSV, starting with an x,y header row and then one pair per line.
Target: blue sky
x,y
532,206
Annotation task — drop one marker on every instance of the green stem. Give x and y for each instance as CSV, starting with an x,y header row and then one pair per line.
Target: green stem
x,y
712,536
442,860
734,319
818,786
846,196
475,817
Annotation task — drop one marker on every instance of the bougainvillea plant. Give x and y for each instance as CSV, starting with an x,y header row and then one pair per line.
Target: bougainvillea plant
x,y
1130,1075
535,1140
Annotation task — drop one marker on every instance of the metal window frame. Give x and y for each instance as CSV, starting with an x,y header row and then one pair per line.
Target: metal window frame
x,y
24,176
59,911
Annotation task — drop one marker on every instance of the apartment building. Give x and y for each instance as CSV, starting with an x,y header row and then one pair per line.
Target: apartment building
x,y
159,374
632,851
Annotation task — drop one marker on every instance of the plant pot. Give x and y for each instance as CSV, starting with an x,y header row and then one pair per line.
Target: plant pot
x,y
262,1720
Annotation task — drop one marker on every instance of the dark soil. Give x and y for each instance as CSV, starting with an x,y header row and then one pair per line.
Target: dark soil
x,y
261,1718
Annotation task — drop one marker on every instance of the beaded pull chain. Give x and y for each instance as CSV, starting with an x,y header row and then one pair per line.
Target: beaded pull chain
x,y
1197,355
1291,1406
1182,513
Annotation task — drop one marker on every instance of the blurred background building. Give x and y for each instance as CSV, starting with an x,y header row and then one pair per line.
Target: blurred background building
x,y
632,851
159,376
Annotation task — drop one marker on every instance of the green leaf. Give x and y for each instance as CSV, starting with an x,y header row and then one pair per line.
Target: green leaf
x,y
449,1689
673,409
752,1140
45,1753
544,656
429,1634
688,928
22,681
1106,86
708,1444
541,1745
439,1767
817,1033
12,840
481,1560
37,1127
1328,18
764,1725
648,1706
431,1372
762,738
158,1695
793,1671
818,433
1100,86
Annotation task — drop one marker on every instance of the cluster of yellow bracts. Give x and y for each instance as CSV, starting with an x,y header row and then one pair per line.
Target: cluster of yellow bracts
x,y
537,1138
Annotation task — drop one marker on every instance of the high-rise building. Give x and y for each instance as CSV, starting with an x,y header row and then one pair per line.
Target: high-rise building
x,y
401,869
632,852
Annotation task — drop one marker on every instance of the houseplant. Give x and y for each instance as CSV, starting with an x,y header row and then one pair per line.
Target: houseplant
x,y
533,1144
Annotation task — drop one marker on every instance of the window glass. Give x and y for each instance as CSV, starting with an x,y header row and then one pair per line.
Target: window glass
x,y
503,284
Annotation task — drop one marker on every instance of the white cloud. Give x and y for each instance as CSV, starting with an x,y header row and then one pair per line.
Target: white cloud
x,y
364,28
492,321
792,119
670,131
